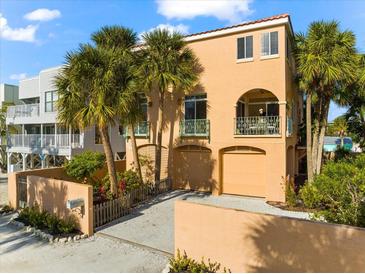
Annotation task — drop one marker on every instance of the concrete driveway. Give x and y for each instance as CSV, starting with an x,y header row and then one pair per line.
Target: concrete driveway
x,y
152,224
140,242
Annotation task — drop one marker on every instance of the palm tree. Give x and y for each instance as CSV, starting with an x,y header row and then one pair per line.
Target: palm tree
x,y
169,66
338,128
93,83
326,63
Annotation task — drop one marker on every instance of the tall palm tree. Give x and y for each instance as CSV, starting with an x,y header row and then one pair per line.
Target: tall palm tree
x,y
169,66
93,83
326,63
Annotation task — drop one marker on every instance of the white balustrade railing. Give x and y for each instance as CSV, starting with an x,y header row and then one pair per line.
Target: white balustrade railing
x,y
45,140
28,110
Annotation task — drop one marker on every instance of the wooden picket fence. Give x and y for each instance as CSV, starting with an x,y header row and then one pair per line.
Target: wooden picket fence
x,y
113,209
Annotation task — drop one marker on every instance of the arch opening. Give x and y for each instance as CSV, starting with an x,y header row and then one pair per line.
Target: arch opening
x,y
257,113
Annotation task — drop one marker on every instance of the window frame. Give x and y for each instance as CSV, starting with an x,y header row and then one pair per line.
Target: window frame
x,y
52,102
270,55
195,100
245,58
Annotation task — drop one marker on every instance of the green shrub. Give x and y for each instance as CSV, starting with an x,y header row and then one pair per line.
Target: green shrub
x,y
128,180
290,195
338,193
342,153
44,220
184,264
85,164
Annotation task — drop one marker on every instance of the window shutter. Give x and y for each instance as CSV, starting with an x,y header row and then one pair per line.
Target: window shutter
x,y
249,47
274,42
240,48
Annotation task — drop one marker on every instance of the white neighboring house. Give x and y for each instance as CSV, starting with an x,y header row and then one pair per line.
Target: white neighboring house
x,y
9,94
40,141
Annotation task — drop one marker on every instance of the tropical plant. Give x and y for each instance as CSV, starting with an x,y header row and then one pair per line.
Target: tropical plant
x,y
326,63
168,65
84,165
4,129
184,264
93,86
338,193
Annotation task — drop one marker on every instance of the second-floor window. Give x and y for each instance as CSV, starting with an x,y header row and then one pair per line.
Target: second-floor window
x,y
196,107
245,47
50,101
269,43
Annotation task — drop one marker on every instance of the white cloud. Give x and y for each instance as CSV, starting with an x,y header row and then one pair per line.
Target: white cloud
x,y
19,76
228,10
181,28
26,34
43,15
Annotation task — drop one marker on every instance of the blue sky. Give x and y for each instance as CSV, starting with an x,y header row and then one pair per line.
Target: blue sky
x,y
36,34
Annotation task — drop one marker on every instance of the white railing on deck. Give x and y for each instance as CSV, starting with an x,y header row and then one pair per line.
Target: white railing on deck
x,y
29,110
45,140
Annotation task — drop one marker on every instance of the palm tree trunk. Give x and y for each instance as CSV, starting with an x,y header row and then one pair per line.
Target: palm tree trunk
x,y
109,159
137,164
316,132
309,136
159,139
324,120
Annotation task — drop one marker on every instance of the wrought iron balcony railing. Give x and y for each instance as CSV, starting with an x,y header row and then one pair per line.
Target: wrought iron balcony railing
x,y
257,125
195,127
142,129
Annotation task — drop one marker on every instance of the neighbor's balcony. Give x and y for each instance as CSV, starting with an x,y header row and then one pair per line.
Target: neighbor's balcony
x,y
45,141
29,110
195,128
257,125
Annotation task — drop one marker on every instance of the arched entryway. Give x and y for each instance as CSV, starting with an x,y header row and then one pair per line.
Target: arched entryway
x,y
243,171
193,167
147,154
257,113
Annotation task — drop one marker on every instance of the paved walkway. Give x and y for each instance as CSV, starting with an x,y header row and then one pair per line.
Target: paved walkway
x,y
153,224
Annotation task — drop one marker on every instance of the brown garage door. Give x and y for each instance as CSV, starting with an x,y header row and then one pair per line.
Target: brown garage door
x,y
244,174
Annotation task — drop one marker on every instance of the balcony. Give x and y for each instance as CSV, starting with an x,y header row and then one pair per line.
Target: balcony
x,y
142,129
195,128
30,110
39,141
257,125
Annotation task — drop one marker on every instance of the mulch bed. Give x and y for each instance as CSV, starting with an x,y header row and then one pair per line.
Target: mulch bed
x,y
284,206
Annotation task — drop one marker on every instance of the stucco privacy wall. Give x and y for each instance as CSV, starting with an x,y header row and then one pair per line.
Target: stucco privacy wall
x,y
252,242
52,195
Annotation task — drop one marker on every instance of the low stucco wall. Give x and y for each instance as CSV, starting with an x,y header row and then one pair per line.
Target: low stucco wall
x,y
52,195
251,242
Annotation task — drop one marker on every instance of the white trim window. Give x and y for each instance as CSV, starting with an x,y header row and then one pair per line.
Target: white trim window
x,y
50,101
245,47
269,43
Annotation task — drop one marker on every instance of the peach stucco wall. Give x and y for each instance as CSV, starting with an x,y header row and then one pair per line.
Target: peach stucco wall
x,y
251,242
52,195
225,80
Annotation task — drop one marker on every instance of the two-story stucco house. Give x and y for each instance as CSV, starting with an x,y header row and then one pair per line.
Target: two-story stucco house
x,y
40,141
236,133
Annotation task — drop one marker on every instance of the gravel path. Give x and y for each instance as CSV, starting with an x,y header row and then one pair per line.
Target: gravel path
x,y
22,252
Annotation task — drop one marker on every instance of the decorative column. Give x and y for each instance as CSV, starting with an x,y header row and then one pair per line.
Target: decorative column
x,y
9,161
23,132
24,159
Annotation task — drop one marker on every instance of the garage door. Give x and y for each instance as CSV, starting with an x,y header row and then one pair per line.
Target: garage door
x,y
244,174
193,168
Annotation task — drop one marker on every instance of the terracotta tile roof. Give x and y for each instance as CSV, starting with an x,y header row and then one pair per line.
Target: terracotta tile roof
x,y
275,17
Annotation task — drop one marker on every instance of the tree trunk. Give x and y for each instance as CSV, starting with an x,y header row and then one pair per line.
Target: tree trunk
x,y
309,136
159,139
137,164
316,132
324,119
109,159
